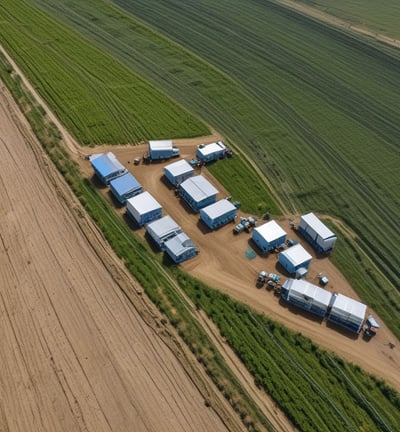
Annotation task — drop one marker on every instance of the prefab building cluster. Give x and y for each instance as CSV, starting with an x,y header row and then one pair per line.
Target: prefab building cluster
x,y
269,236
317,233
177,172
295,260
162,230
339,309
198,192
107,167
211,152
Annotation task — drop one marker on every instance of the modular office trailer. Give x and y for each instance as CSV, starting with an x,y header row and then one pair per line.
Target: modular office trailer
x,y
177,172
162,149
180,248
347,312
218,214
161,230
294,258
125,187
316,233
268,236
211,152
306,296
107,167
198,192
143,208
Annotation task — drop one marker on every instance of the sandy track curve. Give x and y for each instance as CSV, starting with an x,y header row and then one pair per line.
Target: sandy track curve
x,y
75,354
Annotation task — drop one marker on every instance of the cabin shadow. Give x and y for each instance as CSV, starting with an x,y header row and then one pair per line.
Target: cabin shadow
x,y
167,183
343,331
299,311
255,248
150,241
204,229
130,222
114,200
186,206
97,182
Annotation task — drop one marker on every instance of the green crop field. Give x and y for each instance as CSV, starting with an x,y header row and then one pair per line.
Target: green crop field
x,y
97,98
380,16
316,108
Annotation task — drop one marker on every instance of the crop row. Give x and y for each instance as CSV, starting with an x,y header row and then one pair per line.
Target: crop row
x,y
317,109
314,388
95,96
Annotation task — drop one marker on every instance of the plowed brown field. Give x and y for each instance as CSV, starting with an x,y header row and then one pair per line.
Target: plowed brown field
x,y
75,354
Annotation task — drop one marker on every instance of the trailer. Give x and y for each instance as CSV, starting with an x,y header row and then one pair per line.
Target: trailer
x,y
162,149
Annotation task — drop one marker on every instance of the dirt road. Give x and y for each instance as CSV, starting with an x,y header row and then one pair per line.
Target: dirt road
x,y
222,264
75,354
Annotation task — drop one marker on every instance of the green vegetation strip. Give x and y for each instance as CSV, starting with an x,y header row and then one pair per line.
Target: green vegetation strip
x,y
316,108
317,390
94,95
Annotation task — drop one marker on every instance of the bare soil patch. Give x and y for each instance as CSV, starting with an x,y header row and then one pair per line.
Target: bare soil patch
x,y
222,264
76,354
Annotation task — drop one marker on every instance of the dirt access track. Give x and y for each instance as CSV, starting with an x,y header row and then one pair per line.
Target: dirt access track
x,y
222,264
75,353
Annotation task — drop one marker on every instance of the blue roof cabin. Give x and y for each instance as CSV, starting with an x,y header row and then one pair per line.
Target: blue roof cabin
x,y
268,236
107,167
218,214
125,187
211,152
198,192
163,230
321,238
180,248
177,172
295,258
143,208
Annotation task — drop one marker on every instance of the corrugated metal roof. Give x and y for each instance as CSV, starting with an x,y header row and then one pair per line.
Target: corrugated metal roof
x,y
143,203
343,305
179,167
212,148
160,145
302,288
320,228
164,226
296,255
270,231
125,184
106,164
198,188
218,209
179,244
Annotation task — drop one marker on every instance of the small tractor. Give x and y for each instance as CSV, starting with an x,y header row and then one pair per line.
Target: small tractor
x,y
371,327
323,280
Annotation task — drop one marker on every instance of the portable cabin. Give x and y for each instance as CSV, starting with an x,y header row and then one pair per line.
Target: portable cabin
x,y
177,172
180,248
218,214
125,187
161,230
143,208
107,167
162,149
268,236
347,312
306,296
294,259
316,233
198,192
211,152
